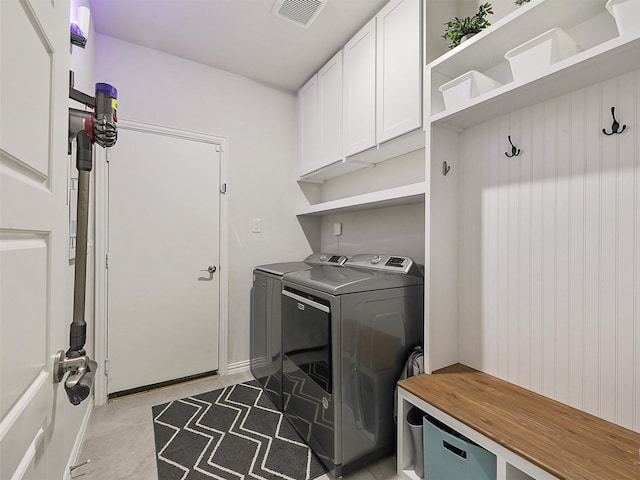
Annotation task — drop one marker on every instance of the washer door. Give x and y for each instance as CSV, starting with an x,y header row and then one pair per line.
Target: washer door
x,y
307,383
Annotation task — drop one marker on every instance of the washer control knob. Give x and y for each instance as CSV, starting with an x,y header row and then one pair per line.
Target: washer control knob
x,y
375,259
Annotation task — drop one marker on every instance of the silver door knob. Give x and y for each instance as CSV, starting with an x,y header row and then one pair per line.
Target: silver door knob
x,y
212,269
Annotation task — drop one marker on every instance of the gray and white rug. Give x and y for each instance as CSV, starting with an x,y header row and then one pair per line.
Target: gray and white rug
x,y
231,433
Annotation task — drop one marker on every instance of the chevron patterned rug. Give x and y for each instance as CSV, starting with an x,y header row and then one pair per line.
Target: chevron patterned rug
x,y
232,433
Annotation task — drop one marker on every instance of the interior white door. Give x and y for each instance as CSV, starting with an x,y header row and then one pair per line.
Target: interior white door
x,y
163,313
34,63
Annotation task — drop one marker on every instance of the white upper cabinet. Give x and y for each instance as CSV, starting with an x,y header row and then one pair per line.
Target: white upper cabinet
x,y
399,70
360,90
309,115
366,95
330,101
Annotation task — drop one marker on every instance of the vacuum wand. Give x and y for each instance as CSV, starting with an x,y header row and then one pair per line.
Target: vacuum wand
x,y
82,369
84,164
86,129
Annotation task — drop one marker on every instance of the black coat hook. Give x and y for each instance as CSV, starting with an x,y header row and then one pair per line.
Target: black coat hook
x,y
514,151
445,168
615,126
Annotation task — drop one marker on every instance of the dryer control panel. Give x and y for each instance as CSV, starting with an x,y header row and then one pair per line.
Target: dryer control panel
x,y
385,263
325,259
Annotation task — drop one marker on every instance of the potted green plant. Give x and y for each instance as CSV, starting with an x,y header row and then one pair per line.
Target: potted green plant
x,y
521,2
459,29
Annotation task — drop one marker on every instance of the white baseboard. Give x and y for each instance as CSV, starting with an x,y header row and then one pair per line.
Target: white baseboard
x,y
238,367
75,451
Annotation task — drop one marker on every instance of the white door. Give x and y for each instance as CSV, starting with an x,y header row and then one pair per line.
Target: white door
x,y
34,63
162,307
360,90
330,100
399,69
309,112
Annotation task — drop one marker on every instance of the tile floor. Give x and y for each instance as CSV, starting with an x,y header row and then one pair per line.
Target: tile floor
x,y
119,438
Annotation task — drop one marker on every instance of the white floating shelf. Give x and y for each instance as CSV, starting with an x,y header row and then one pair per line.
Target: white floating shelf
x,y
404,195
615,57
488,47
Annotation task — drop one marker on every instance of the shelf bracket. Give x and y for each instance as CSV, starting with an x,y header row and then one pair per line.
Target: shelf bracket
x,y
316,181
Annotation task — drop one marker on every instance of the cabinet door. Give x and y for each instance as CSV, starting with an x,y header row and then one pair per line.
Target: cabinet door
x,y
399,72
309,126
330,100
360,91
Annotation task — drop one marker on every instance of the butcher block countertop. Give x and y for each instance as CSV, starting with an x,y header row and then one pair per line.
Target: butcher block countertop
x,y
564,441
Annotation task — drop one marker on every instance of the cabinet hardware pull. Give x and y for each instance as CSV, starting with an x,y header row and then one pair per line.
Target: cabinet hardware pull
x,y
615,126
445,168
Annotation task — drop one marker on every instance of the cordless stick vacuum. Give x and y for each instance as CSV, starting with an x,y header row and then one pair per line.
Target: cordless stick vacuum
x,y
86,128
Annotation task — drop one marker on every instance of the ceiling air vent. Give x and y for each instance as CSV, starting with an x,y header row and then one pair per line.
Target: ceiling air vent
x,y
300,12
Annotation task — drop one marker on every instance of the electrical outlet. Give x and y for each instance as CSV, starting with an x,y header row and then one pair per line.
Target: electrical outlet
x,y
337,229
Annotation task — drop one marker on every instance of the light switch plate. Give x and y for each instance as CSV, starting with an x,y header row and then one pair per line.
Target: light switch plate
x,y
337,229
257,225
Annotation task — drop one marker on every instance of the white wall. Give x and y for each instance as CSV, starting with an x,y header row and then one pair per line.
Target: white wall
x,y
468,8
403,170
550,250
261,126
437,13
392,230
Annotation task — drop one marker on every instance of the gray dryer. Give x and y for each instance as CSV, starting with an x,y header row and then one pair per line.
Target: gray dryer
x,y
346,333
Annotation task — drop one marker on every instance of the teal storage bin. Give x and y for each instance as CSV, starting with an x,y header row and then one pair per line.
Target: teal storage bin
x,y
448,455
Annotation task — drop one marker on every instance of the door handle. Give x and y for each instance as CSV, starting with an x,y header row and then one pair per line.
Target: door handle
x,y
305,301
212,269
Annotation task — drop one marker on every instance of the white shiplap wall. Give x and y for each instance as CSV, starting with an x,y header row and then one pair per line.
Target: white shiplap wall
x,y
549,250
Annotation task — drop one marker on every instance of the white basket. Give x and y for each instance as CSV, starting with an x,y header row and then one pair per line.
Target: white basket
x,y
544,50
626,13
460,90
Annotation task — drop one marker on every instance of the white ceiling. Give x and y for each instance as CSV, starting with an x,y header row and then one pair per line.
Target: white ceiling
x,y
240,36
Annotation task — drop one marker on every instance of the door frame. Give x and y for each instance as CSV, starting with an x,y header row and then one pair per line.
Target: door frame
x,y
101,243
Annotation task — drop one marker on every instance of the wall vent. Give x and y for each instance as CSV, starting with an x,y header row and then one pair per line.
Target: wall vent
x,y
300,12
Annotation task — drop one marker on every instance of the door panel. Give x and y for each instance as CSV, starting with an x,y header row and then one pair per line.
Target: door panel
x,y
330,100
360,90
24,314
163,310
399,70
309,112
23,425
28,86
34,62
